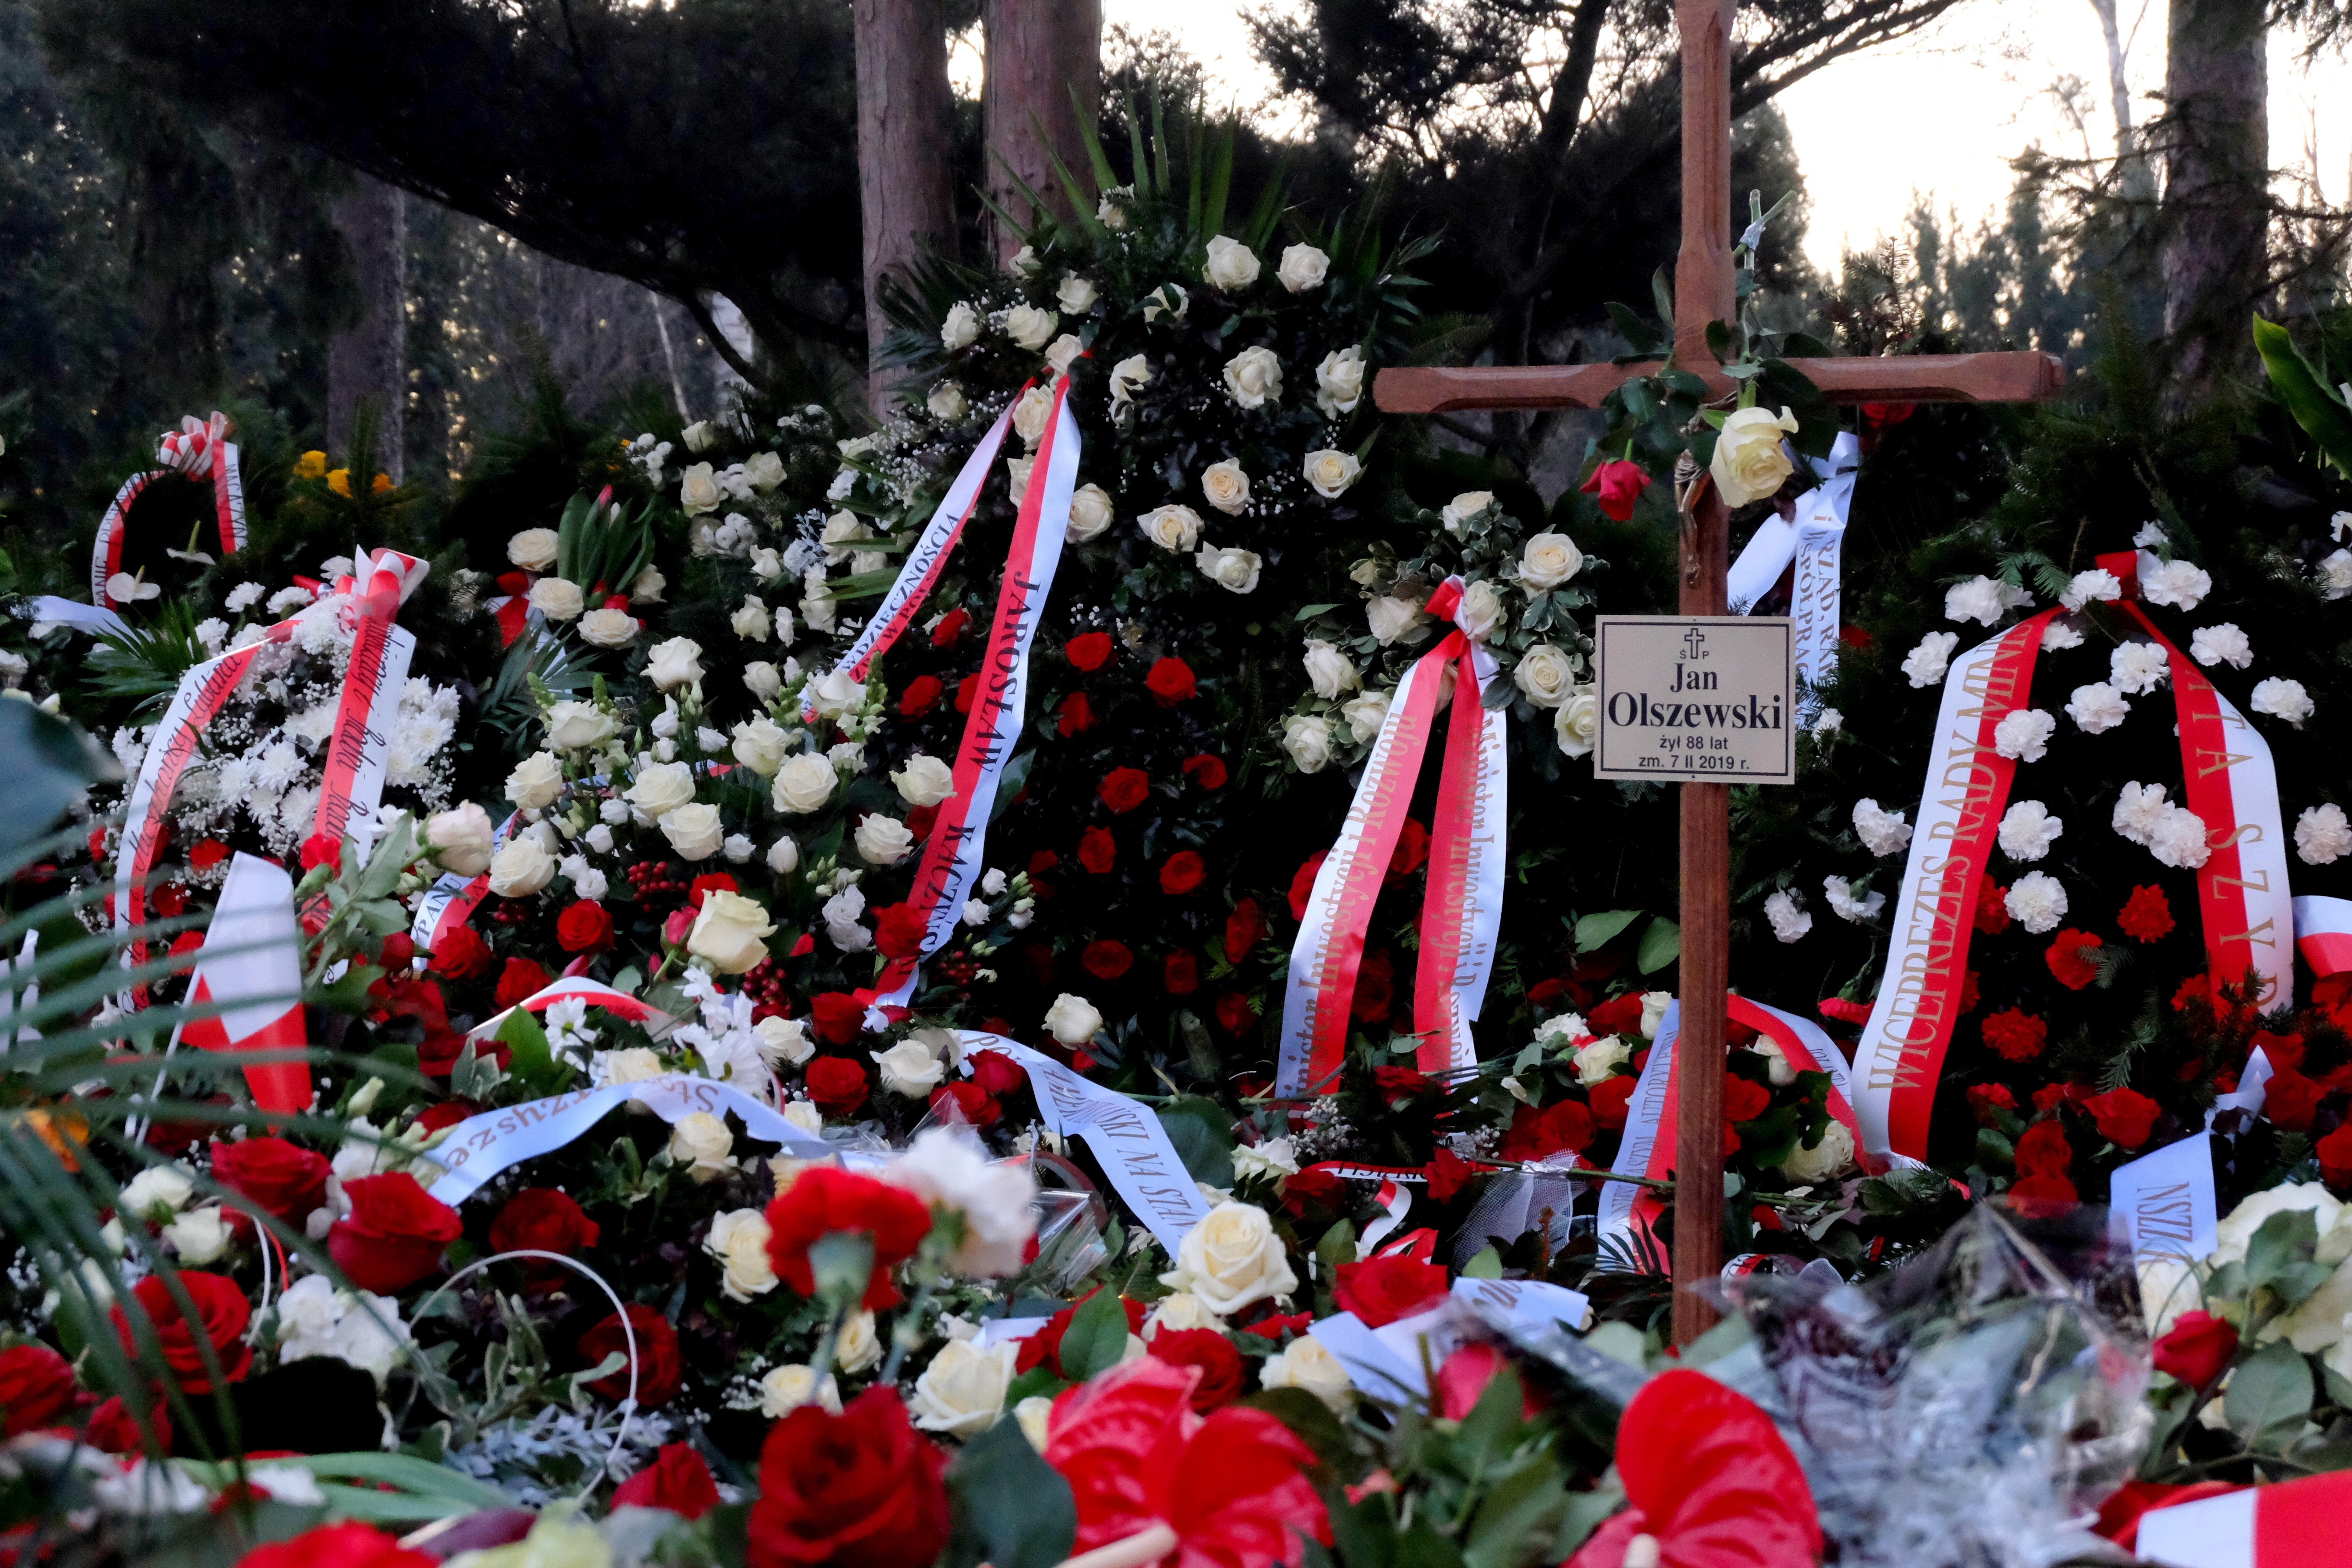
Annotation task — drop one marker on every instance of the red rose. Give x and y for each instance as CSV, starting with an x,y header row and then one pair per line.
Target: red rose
x,y
1618,1015
1618,484
2015,1034
2283,1050
113,1428
1987,1100
1448,1172
677,1481
1243,928
2041,1197
277,1177
2290,1099
1171,682
434,1118
1097,850
1313,1187
1219,1364
1182,872
950,626
519,979
394,1235
861,1488
1463,1380
1412,849
898,933
971,1102
966,690
585,927
541,1219
2042,1151
36,1383
1075,716
2335,1152
1234,1013
1089,650
2066,958
1044,1348
839,1016
822,1201
2146,916
1180,973
347,1545
996,1073
1302,883
460,954
922,695
2197,1350
1744,1099
406,996
397,951
322,849
2125,1117
1380,1290
837,1085
1205,769
1398,1085
659,1375
1124,789
222,1315
1375,985
1533,1133
702,887
1106,959
1609,1099
1992,907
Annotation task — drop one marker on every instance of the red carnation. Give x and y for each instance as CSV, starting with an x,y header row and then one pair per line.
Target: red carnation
x,y
950,626
541,1219
1219,1364
206,854
1302,883
2066,961
394,1235
1076,715
861,1488
660,1373
36,1383
1609,1099
1380,1290
1992,907
1987,1100
585,927
2197,1350
2014,1035
971,1102
2146,916
1242,929
519,979
2291,1100
459,954
823,1202
836,1085
1180,973
1124,789
222,1316
322,849
1970,996
966,690
1618,484
2335,1152
677,1481
922,695
1097,850
1089,650
277,1177
1182,872
1106,959
1208,772
839,1016
347,1545
2042,1151
2125,1117
1170,682
898,933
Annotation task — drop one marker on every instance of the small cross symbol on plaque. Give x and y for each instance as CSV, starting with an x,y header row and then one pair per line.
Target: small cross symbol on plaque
x,y
1694,639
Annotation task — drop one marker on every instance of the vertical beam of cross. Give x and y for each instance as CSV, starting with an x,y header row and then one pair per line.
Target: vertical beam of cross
x,y
1703,293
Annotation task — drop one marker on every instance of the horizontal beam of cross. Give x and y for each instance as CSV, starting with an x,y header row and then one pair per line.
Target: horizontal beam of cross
x,y
2025,377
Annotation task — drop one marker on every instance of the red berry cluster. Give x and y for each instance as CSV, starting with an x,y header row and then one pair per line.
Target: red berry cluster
x,y
771,995
652,876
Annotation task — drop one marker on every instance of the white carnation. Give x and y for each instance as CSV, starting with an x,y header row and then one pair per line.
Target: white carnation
x,y
1927,663
1846,906
1789,921
1882,832
2224,644
2024,734
2061,634
2027,830
2137,667
2097,708
2283,699
2137,811
2037,901
2179,583
2322,834
2098,583
2335,575
2179,838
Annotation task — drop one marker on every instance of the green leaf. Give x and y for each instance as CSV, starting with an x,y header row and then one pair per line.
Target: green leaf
x,y
1598,931
1817,417
51,764
1638,334
410,1474
1008,1507
1202,1131
1010,783
1486,1264
1097,1338
1660,945
1309,612
1662,295
1586,1513
2269,1395
532,1063
1530,1501
2286,1239
2315,406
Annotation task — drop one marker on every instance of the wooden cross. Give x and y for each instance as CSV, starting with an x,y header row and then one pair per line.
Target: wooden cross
x,y
1703,293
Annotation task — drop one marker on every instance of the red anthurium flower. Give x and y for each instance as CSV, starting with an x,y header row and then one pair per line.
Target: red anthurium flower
x,y
347,1545
1708,1478
1618,484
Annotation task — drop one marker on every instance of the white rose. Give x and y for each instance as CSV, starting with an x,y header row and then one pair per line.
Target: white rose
x,y
521,869
1831,1158
883,840
649,585
804,784
730,932
1306,1363
700,492
2236,1231
765,470
750,620
1480,611
1547,560
1232,1257
1331,473
759,745
1075,294
557,598
1030,327
1599,1061
699,436
576,726
859,1347
1307,738
1339,382
1465,507
536,781
1275,1157
1303,268
947,402
910,1068
1253,377
2283,699
961,328
464,838
701,1143
694,831
1072,1020
1926,664
1229,265
739,1239
1391,617
1233,569
1546,676
1172,527
1031,413
608,629
783,855
1182,1310
924,781
1128,377
1364,715
660,788
1328,670
1169,300
962,1392
1749,463
675,663
1227,487
1654,1012
157,1189
786,1388
1575,723
533,548
1089,513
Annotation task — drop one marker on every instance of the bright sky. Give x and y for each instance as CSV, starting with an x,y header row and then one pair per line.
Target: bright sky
x,y
1942,113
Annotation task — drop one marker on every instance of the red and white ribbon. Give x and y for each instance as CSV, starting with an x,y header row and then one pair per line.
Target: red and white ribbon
x,y
2323,934
199,450
595,992
928,555
951,855
2290,1525
251,968
1462,904
1814,540
452,900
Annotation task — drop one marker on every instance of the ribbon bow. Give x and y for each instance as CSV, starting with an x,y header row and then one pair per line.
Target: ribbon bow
x,y
199,450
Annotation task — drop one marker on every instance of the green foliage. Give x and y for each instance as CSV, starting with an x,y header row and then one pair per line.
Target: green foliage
x,y
1008,1506
51,764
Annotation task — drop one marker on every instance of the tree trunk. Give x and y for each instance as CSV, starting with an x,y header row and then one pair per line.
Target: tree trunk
x,y
2216,202
367,362
1039,51
902,154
